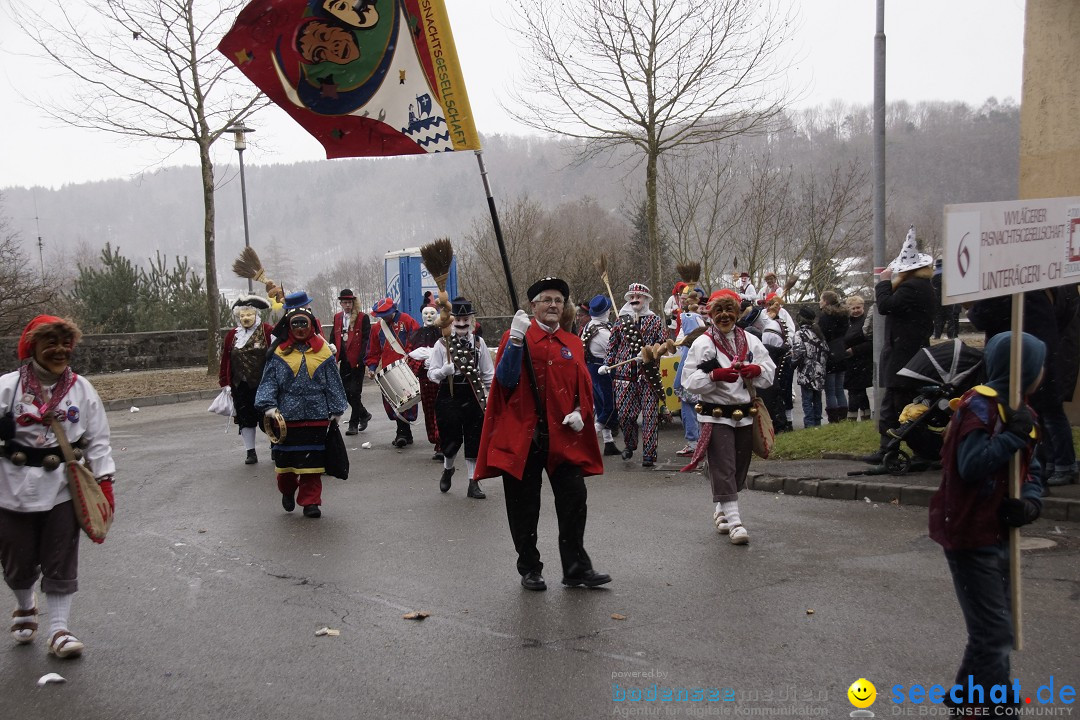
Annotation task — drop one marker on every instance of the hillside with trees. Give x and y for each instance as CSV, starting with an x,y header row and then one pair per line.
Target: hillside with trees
x,y
795,199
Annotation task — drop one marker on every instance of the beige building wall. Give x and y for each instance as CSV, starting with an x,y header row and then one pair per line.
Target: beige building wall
x,y
1050,100
1050,119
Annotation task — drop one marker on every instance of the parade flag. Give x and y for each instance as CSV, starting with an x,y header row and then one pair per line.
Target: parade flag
x,y
365,77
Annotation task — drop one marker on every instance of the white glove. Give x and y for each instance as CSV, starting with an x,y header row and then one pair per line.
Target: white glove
x,y
333,349
603,370
574,421
519,326
441,373
271,412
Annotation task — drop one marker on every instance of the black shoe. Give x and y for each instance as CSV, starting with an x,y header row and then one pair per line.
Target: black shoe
x,y
252,458
627,454
399,441
475,491
647,464
533,581
588,578
312,511
362,426
287,502
874,458
610,449
444,481
437,457
408,439
352,430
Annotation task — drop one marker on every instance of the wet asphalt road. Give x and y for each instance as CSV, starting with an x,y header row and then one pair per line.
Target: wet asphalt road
x,y
205,599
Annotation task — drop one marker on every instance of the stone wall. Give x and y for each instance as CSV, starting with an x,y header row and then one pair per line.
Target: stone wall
x,y
128,351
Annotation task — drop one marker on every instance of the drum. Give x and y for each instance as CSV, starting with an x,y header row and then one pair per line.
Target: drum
x,y
399,385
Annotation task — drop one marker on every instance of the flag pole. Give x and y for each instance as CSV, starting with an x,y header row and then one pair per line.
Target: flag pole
x,y
498,232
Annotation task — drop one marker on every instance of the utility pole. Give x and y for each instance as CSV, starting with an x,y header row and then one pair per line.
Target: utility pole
x,y
879,192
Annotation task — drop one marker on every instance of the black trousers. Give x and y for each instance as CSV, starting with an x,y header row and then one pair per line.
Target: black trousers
x,y
523,512
353,380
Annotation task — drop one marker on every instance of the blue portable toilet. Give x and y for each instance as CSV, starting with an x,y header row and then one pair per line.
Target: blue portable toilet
x,y
407,279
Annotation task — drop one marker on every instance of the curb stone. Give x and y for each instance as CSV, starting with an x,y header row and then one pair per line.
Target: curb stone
x,y
170,399
1054,508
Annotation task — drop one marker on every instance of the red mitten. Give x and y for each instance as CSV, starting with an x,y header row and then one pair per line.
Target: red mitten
x,y
750,370
106,487
724,374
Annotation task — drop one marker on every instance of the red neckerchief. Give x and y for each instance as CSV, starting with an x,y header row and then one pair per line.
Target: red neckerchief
x,y
32,385
734,354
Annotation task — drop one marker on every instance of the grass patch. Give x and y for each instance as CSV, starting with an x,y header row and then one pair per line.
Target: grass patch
x,y
860,438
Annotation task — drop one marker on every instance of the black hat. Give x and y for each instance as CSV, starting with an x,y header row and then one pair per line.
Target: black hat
x,y
252,301
346,294
548,283
807,313
460,307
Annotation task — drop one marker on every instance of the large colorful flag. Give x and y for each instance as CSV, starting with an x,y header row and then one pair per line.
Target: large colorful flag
x,y
365,77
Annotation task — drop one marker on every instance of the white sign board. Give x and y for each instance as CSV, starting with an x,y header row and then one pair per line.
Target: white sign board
x,y
1003,248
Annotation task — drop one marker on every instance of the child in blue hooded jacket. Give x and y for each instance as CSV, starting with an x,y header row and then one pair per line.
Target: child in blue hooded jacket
x,y
971,512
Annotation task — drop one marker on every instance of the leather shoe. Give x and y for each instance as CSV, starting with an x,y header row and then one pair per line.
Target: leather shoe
x,y
875,458
533,581
475,491
363,423
627,454
352,430
588,578
287,502
312,511
444,481
647,464
251,458
611,449
399,441
437,457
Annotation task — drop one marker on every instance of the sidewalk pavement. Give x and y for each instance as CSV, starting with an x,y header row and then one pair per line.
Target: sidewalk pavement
x,y
826,478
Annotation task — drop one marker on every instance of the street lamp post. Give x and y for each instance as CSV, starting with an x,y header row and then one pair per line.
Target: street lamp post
x,y
240,142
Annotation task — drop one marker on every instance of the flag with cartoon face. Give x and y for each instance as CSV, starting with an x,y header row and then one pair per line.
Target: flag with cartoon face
x,y
365,77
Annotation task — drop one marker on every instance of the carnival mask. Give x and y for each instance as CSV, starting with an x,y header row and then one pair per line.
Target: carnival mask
x,y
724,313
429,314
246,316
300,328
52,351
463,324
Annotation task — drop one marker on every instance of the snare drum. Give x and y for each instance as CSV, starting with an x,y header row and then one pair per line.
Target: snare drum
x,y
399,385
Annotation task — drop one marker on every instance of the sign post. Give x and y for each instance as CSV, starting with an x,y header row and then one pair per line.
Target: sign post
x,y
1009,248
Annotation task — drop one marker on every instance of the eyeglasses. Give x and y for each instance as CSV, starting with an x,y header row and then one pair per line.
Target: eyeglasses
x,y
550,301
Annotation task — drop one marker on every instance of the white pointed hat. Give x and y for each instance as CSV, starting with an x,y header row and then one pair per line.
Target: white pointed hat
x,y
910,258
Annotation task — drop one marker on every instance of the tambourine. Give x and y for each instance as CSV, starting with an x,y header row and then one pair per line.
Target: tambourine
x,y
274,427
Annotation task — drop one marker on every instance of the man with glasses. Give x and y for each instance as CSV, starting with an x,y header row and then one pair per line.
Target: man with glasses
x,y
301,383
536,420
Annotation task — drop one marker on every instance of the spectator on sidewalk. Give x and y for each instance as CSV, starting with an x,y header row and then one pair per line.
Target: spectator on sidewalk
x,y
833,322
906,299
946,317
859,374
809,355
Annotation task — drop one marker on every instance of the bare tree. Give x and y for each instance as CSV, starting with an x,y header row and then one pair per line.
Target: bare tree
x,y
26,289
762,241
650,74
564,241
698,188
149,69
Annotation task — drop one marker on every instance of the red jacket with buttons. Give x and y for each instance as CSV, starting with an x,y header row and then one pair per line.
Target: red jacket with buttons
x,y
564,383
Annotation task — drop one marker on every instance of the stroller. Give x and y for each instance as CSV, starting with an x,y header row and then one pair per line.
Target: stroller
x,y
949,370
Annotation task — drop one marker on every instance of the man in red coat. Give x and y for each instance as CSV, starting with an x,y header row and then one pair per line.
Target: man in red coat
x,y
519,442
350,337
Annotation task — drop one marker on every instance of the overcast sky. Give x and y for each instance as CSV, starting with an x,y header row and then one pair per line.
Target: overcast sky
x,y
965,50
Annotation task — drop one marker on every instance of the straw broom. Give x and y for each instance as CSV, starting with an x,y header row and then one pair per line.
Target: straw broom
x,y
248,266
601,267
438,256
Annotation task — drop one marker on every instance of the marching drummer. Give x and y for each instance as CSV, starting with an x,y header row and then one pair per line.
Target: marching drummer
x,y
301,388
388,344
460,411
